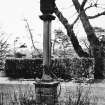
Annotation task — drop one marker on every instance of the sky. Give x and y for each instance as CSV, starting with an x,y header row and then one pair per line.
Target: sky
x,y
13,13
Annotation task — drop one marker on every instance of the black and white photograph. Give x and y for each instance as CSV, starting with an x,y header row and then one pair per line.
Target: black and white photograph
x,y
52,52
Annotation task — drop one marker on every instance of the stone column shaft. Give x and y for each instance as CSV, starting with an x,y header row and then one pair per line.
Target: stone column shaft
x,y
47,43
47,18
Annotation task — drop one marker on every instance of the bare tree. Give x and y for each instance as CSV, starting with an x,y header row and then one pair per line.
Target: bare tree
x,y
91,36
31,36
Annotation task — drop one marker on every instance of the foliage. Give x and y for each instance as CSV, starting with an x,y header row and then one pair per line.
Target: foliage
x,y
73,68
19,55
22,99
15,94
81,96
61,45
60,68
3,52
95,44
23,68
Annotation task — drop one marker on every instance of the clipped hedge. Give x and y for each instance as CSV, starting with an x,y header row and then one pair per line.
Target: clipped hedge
x,y
62,68
73,68
23,68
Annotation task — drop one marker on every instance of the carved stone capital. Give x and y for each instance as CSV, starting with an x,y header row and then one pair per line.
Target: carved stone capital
x,y
47,17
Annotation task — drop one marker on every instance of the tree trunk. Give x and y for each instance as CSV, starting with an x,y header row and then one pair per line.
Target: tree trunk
x,y
91,36
94,42
71,34
99,68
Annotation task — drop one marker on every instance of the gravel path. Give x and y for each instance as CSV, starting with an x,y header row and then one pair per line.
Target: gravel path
x,y
6,80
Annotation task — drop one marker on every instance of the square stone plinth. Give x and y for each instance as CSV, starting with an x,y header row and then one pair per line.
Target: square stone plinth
x,y
46,92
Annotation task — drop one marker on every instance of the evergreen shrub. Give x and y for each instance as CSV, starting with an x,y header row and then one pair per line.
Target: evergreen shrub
x,y
61,68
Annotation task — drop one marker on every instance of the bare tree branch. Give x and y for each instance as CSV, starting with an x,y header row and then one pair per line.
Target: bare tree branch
x,y
75,20
62,19
85,43
83,4
71,34
28,27
86,24
97,15
93,5
88,7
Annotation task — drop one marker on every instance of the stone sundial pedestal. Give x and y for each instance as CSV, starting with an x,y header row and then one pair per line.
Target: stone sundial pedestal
x,y
46,88
46,93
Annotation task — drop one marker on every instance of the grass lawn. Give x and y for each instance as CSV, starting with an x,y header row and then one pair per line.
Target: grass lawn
x,y
11,93
95,92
